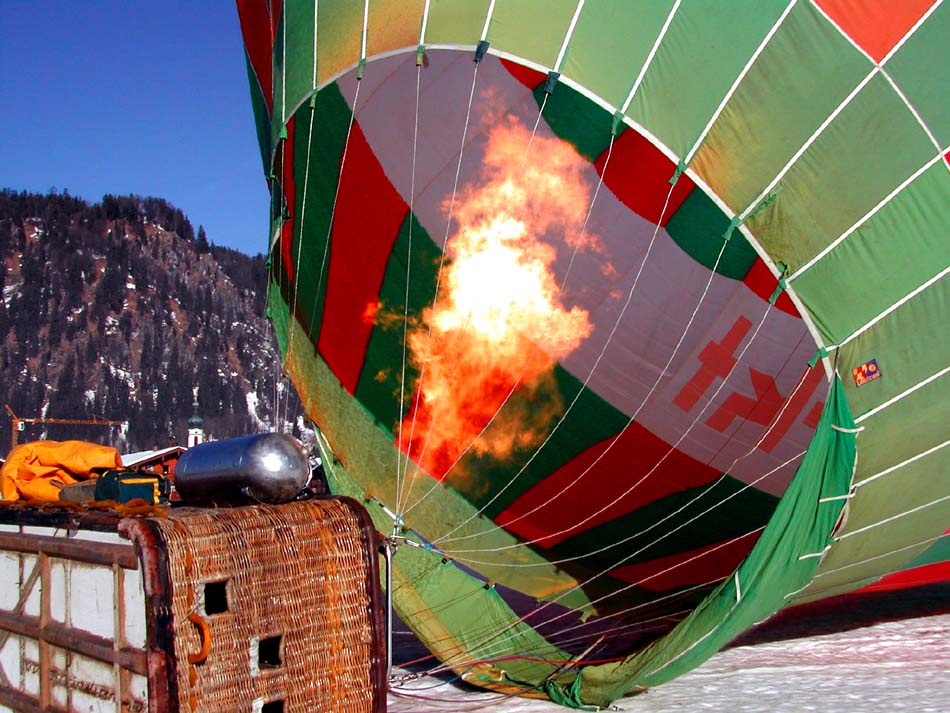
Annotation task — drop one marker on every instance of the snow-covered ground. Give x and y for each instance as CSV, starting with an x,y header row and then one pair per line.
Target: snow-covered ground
x,y
866,653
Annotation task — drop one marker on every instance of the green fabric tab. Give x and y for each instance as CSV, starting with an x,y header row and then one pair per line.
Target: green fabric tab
x,y
420,55
819,355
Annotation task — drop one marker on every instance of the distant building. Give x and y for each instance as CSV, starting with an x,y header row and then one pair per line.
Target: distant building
x,y
196,432
160,460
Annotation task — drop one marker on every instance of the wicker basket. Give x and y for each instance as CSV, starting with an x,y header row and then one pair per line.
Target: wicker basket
x,y
270,608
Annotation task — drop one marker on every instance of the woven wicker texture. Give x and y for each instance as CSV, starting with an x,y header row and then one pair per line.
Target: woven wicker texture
x,y
296,571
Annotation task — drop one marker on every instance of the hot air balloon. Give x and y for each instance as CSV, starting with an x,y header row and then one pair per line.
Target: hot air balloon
x,y
626,320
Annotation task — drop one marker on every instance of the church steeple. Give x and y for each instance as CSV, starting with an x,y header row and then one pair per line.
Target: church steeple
x,y
196,432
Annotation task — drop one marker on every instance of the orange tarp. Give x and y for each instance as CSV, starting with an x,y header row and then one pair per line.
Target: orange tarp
x,y
32,468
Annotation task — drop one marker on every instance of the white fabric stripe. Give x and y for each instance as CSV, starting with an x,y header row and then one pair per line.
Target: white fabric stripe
x,y
425,22
912,109
892,518
738,589
847,430
363,36
811,139
861,330
738,81
313,82
835,498
567,37
901,395
649,60
491,11
813,555
900,465
840,29
847,233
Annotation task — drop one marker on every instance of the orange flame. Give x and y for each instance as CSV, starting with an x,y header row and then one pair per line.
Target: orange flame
x,y
498,324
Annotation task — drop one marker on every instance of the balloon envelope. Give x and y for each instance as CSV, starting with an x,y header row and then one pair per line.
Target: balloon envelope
x,y
622,318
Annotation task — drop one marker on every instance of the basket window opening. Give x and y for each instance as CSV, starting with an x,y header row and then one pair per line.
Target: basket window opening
x,y
216,597
268,653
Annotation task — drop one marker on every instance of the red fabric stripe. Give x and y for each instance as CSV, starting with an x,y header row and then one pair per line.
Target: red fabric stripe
x,y
639,175
926,574
360,246
876,25
559,502
762,282
531,78
710,563
255,26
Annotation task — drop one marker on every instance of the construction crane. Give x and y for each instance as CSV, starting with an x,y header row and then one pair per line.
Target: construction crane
x,y
17,423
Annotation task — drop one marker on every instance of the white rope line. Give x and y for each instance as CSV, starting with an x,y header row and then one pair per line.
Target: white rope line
x,y
631,585
892,518
405,317
518,381
650,56
893,468
653,602
907,392
303,213
446,536
735,85
336,196
652,470
902,301
922,543
864,219
567,37
438,280
709,488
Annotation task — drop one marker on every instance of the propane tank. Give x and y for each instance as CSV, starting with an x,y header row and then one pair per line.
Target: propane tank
x,y
265,467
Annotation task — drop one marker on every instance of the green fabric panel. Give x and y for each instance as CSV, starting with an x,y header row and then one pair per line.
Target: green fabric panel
x,y
906,428
901,492
910,344
786,95
533,29
330,126
610,44
938,552
902,430
577,119
854,562
261,117
698,228
589,422
921,67
871,147
456,22
393,24
339,34
299,73
739,510
368,455
899,248
705,49
278,114
801,526
379,385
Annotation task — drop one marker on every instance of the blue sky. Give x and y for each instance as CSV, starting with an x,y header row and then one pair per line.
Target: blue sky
x,y
151,98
